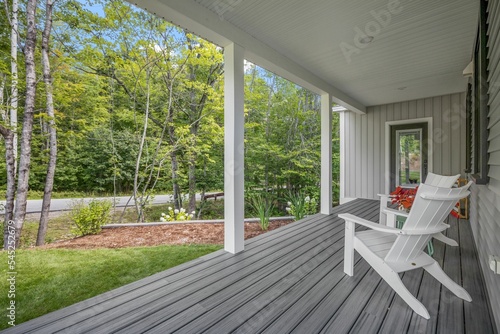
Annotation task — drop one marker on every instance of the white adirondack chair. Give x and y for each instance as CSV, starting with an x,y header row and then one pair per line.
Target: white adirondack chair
x,y
390,250
388,216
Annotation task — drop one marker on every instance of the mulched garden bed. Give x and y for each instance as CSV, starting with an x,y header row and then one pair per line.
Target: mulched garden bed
x,y
179,234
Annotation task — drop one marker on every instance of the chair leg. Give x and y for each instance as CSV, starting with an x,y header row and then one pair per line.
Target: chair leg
x,y
349,248
382,219
435,270
392,278
441,237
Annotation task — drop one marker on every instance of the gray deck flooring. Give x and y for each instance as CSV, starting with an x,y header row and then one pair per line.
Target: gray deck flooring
x,y
290,280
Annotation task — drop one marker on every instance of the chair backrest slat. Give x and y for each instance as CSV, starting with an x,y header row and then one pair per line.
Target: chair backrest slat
x,y
441,180
425,214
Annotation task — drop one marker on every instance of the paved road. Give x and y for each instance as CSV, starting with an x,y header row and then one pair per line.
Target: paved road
x,y
64,204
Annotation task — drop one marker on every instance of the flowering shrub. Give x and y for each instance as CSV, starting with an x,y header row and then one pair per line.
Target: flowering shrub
x,y
299,206
176,215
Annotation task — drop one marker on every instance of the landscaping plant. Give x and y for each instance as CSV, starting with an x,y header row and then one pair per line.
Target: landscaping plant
x,y
89,218
263,206
300,205
176,215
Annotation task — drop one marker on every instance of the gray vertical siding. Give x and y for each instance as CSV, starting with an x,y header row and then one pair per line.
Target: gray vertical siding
x,y
485,200
365,140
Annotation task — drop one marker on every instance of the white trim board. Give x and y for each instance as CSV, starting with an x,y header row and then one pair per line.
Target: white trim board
x,y
430,132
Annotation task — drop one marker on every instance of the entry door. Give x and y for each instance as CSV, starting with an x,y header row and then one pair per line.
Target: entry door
x,y
409,159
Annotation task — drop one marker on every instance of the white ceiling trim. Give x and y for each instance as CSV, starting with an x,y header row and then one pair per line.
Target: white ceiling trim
x,y
210,26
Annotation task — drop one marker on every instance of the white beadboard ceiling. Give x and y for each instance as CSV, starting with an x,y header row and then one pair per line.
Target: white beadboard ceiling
x,y
420,52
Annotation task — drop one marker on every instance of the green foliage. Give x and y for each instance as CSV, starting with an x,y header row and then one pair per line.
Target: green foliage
x,y
262,205
89,218
300,205
107,56
48,280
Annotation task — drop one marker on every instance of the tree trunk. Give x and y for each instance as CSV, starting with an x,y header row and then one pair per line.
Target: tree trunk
x,y
14,95
3,112
51,167
175,180
203,191
8,136
29,109
268,132
172,140
192,182
139,207
194,120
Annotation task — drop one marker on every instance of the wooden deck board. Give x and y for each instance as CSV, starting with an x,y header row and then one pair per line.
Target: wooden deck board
x,y
450,306
429,293
288,280
399,314
477,316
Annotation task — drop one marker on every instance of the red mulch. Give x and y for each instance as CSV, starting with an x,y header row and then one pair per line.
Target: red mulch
x,y
178,234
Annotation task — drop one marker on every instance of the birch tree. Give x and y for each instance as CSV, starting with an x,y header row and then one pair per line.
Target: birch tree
x,y
14,95
9,132
51,166
29,110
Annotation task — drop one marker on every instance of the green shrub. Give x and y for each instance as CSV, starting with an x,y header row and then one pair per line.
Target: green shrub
x,y
89,218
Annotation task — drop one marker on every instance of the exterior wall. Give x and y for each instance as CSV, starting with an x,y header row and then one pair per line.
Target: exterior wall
x,y
485,199
364,141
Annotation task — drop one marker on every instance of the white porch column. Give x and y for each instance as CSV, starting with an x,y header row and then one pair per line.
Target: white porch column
x,y
234,128
326,154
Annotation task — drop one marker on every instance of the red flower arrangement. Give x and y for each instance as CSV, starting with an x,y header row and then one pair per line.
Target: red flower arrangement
x,y
404,197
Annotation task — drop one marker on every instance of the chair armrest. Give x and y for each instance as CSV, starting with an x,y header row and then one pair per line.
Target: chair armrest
x,y
438,229
396,212
374,226
387,197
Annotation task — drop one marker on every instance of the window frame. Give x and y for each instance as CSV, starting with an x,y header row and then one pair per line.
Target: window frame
x,y
479,106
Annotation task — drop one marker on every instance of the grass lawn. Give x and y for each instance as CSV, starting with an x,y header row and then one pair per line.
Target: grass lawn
x,y
59,228
48,280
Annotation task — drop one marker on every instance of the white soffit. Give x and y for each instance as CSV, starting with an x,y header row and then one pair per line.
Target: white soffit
x,y
207,24
420,48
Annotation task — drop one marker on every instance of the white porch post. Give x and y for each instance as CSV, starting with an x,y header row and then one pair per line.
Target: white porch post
x,y
234,128
326,154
